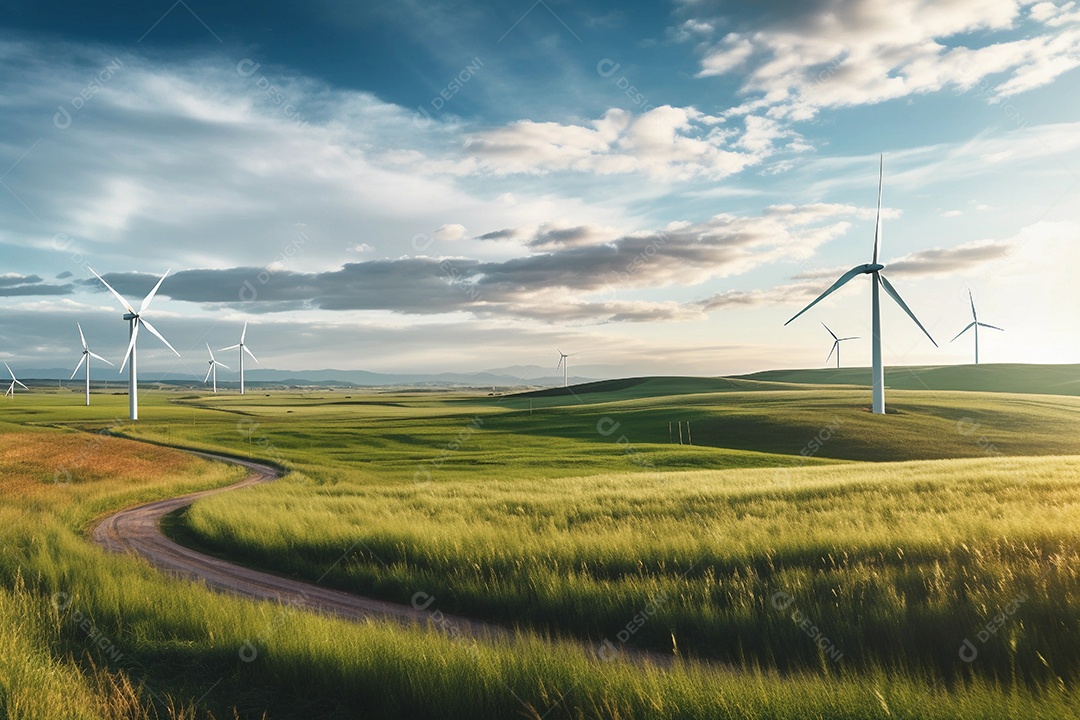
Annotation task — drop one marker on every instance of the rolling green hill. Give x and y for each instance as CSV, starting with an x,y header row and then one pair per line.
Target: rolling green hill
x,y
1005,377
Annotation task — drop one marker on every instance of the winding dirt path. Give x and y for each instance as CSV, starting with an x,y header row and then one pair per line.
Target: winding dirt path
x,y
137,530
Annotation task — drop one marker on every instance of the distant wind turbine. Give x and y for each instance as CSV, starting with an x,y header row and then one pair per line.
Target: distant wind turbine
x,y
243,349
86,355
975,324
562,364
212,370
14,381
836,345
873,269
135,321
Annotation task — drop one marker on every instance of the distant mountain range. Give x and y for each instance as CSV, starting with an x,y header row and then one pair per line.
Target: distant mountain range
x,y
520,376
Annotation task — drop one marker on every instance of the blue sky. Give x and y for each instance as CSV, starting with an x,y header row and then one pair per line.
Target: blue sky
x,y
457,186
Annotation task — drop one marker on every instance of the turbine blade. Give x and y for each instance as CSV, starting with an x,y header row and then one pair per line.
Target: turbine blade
x,y
853,272
160,337
221,364
131,344
81,336
970,325
243,333
81,361
856,337
208,371
95,355
231,347
9,370
250,353
992,327
211,352
21,385
830,332
831,351
117,295
900,301
972,300
877,226
150,298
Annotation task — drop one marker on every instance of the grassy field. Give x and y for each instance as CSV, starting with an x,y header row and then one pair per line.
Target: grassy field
x,y
817,583
992,377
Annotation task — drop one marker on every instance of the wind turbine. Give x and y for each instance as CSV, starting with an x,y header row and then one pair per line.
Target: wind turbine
x,y
212,370
975,324
562,364
243,349
873,269
835,345
14,381
86,355
135,321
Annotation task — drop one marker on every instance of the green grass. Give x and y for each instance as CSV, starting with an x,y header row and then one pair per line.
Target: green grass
x,y
564,523
1004,377
897,564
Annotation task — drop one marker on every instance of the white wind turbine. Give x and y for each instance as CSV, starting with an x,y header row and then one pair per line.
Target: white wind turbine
x,y
212,370
873,269
243,349
135,321
14,381
562,364
836,346
975,324
86,355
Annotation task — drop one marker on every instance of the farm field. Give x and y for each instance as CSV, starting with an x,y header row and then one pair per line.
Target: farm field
x,y
797,560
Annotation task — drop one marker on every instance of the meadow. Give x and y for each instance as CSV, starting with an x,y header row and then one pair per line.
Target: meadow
x,y
785,568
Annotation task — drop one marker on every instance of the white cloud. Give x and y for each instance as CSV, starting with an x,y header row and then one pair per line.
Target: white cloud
x,y
728,55
450,232
832,54
666,143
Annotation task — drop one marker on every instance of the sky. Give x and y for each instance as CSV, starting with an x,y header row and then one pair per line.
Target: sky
x,y
456,186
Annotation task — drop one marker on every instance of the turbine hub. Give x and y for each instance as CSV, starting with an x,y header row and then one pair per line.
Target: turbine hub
x,y
129,316
873,267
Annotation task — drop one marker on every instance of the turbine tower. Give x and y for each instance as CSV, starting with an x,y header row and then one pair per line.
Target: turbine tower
x,y
212,370
135,321
836,345
975,324
562,365
86,355
873,269
14,381
243,349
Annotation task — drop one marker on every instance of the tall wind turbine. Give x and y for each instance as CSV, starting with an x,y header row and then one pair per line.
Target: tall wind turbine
x,y
135,321
873,269
243,349
14,381
836,345
975,324
86,355
212,370
562,364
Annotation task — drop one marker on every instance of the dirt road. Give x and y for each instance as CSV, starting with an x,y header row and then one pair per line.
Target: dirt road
x,y
137,530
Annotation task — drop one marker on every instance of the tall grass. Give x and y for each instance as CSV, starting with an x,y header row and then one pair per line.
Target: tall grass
x,y
174,649
897,565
